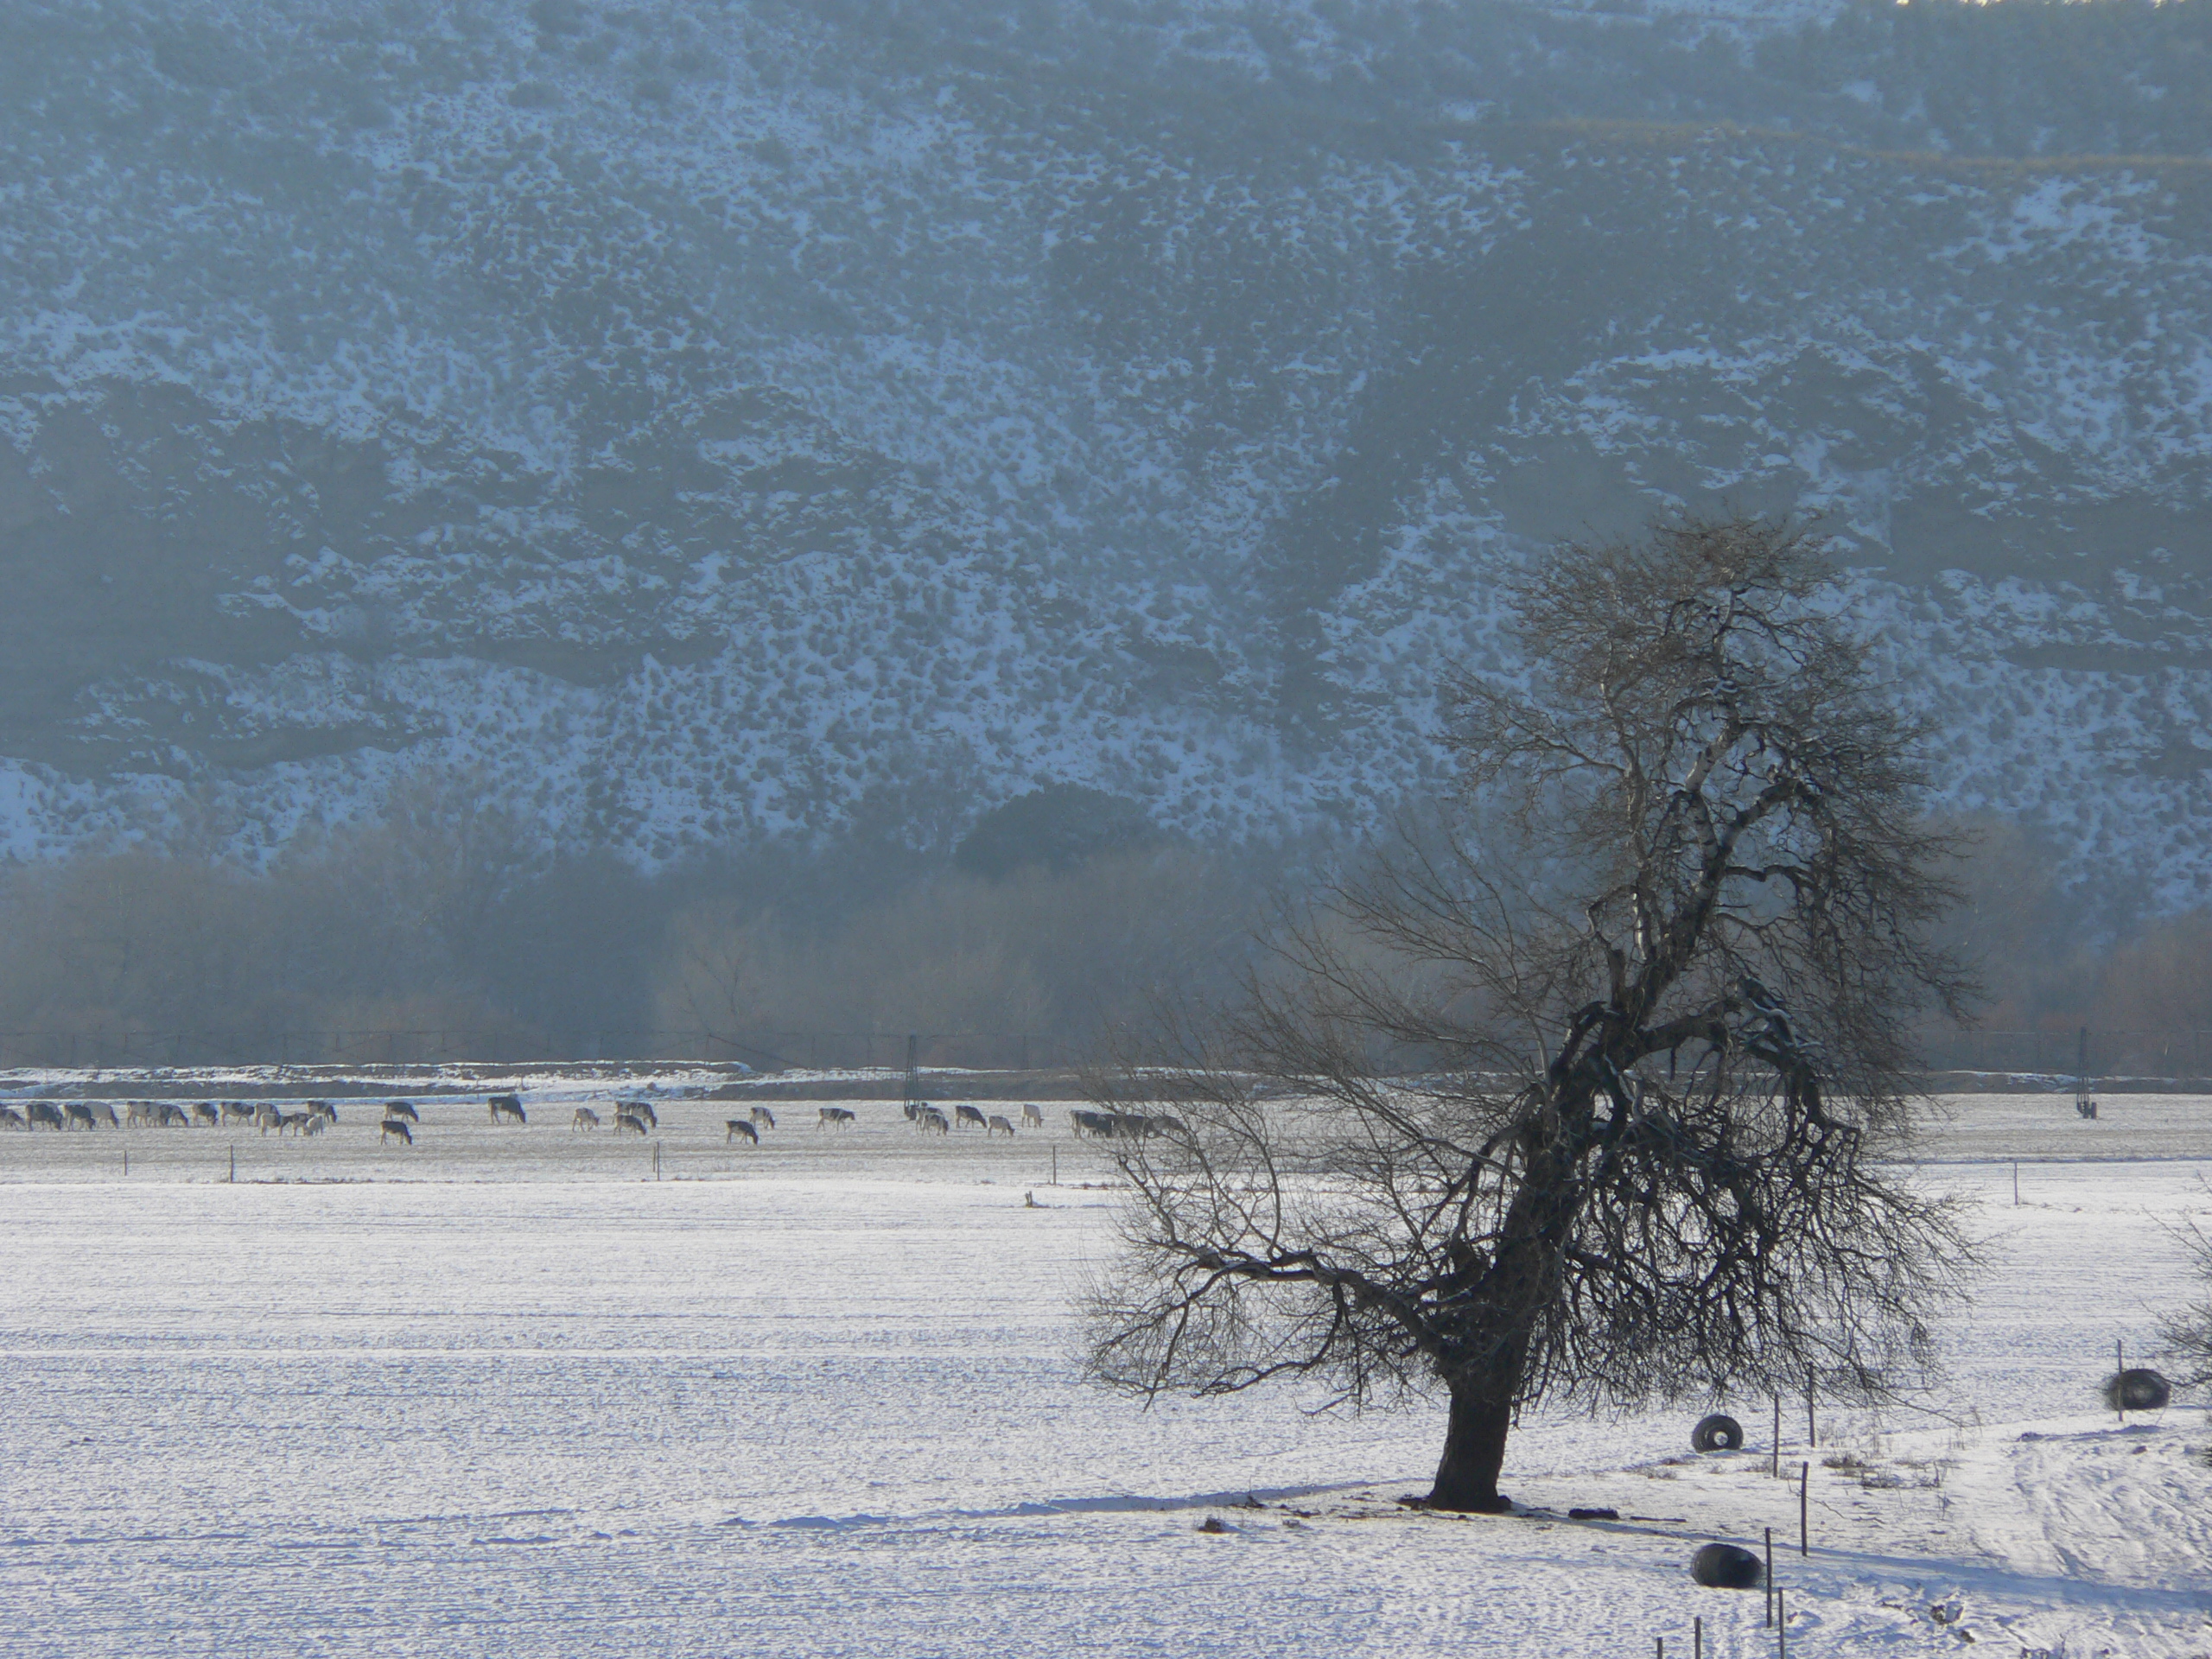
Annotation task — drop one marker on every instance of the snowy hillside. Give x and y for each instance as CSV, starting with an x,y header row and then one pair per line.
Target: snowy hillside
x,y
806,418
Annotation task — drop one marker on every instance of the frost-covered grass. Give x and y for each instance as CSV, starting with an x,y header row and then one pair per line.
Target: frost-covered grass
x,y
506,1393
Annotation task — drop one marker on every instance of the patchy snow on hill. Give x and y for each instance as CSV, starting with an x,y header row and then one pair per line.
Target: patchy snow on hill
x,y
704,429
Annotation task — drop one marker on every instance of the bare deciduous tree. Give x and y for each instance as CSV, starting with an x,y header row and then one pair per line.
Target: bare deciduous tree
x,y
1589,1096
2188,1333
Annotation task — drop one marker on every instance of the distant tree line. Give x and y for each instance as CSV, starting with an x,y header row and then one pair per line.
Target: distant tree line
x,y
1060,915
2023,78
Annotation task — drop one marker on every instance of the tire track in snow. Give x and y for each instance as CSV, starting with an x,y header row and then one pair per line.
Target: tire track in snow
x,y
2117,1522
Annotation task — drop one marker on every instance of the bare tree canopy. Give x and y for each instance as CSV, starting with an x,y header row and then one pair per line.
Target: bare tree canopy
x,y
1588,1096
2188,1333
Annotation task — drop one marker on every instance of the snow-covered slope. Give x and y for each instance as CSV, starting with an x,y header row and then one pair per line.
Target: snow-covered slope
x,y
801,419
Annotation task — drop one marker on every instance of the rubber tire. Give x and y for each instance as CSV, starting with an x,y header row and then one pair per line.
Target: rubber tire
x,y
1719,1432
2138,1388
1726,1567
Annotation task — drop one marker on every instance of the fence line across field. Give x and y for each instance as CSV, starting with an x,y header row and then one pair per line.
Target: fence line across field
x,y
2148,1053
2152,1051
828,1050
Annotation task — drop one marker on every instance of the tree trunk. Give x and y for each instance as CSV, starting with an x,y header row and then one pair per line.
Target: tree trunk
x,y
1522,1281
1474,1450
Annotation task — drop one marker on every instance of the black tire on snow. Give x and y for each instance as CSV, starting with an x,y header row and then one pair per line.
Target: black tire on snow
x,y
1726,1567
2137,1389
1719,1432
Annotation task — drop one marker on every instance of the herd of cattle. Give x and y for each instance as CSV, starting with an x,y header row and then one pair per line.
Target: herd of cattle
x,y
932,1120
1126,1125
400,1119
163,1115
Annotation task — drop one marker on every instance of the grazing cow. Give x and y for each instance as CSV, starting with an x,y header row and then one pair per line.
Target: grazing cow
x,y
395,1125
175,1115
1031,1117
968,1114
628,1120
1170,1126
205,1113
42,1113
585,1119
312,1122
996,1124
80,1113
763,1117
638,1109
138,1111
266,1118
296,1123
834,1117
507,1106
323,1108
237,1111
12,1118
1132,1124
738,1126
1097,1123
401,1108
929,1118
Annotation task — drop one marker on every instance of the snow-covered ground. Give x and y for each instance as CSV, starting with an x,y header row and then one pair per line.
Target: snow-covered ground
x,y
506,1392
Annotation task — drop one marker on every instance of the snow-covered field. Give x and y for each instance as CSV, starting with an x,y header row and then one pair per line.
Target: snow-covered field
x,y
506,1392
